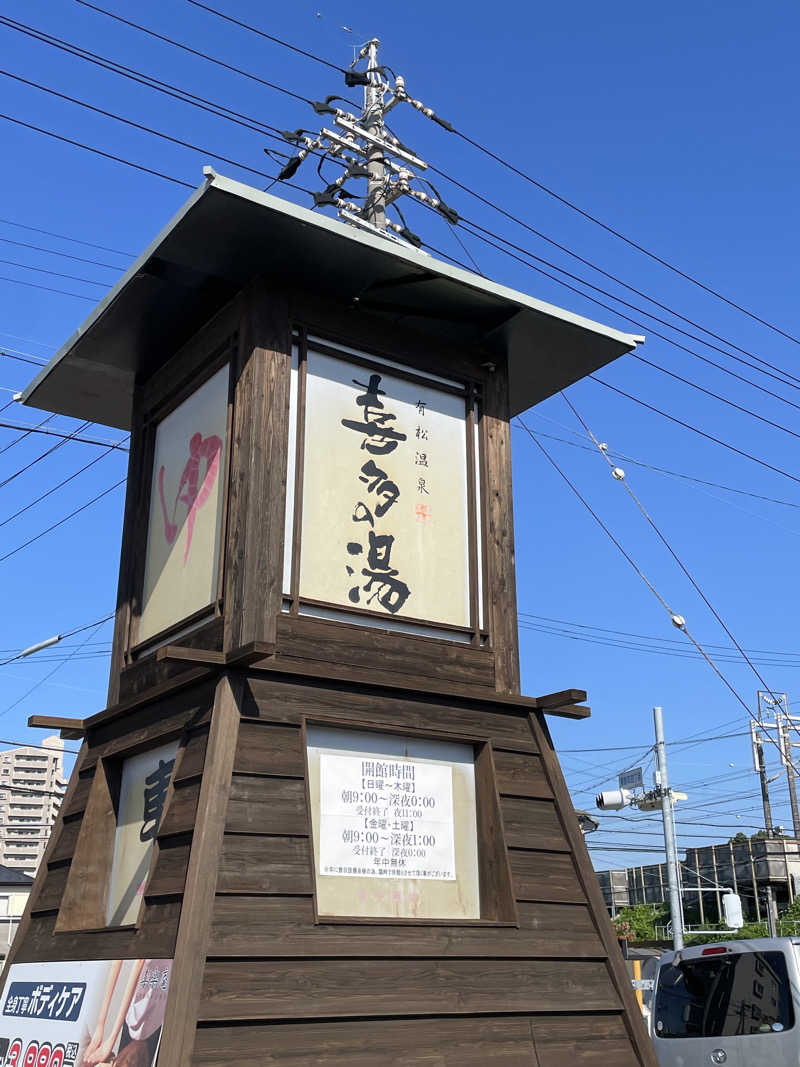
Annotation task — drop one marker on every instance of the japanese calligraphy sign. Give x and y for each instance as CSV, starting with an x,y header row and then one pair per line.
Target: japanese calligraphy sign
x,y
143,789
385,516
186,508
394,825
83,1013
386,818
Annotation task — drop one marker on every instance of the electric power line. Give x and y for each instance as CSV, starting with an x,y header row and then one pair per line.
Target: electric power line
x,y
118,446
652,588
486,236
54,273
99,152
27,431
694,429
62,237
55,252
664,470
60,522
49,675
70,633
54,488
44,455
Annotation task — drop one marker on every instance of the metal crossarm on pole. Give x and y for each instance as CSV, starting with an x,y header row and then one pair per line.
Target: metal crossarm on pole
x,y
377,169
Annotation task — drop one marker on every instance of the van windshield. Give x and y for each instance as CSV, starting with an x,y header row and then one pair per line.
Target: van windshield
x,y
722,996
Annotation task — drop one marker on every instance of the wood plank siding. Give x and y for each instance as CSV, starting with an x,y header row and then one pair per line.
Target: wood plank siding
x,y
63,921
282,987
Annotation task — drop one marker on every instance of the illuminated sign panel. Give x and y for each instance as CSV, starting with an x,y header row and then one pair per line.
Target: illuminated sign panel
x,y
385,524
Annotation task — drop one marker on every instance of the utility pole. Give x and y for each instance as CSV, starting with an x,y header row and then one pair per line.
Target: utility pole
x,y
784,726
366,151
631,791
758,745
777,704
670,844
375,204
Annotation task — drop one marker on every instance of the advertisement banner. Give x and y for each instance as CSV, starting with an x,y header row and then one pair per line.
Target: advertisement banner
x,y
87,1013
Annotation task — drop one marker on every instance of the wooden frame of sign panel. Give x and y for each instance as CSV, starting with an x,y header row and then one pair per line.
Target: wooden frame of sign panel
x,y
474,471
470,391
230,895
497,904
152,413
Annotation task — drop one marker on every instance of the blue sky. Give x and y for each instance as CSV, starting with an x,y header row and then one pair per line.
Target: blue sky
x,y
674,125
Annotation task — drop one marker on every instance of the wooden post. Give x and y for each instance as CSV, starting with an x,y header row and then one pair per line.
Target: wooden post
x,y
502,592
201,879
257,495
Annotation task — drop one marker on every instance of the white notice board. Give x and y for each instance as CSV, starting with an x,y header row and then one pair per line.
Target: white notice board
x,y
386,818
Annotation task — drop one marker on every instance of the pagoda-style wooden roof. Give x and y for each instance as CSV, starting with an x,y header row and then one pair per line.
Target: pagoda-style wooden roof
x,y
228,233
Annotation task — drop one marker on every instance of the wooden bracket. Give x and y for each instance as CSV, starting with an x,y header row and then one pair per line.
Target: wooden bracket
x,y
565,703
240,657
71,729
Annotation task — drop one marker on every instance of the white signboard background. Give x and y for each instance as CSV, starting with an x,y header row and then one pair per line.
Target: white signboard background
x,y
132,855
181,577
386,818
390,896
69,1039
429,523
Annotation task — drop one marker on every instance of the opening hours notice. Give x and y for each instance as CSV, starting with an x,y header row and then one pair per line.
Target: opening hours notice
x,y
386,818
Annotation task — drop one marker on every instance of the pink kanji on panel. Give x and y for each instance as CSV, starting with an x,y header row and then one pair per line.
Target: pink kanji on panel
x,y
191,491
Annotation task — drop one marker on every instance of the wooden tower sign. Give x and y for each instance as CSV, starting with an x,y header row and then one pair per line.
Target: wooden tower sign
x,y
317,822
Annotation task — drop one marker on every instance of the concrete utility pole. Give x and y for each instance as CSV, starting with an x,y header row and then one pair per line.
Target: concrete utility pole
x,y
777,705
375,205
368,152
670,844
762,773
785,727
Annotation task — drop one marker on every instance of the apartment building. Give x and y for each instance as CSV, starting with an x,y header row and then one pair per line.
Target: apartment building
x,y
31,789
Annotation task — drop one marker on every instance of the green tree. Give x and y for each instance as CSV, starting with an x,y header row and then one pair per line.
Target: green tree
x,y
638,923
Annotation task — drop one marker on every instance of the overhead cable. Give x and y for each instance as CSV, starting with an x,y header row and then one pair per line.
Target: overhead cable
x,y
35,285
44,455
59,485
625,458
98,152
680,623
27,430
56,252
118,446
673,615
49,675
62,237
138,126
472,229
694,429
54,273
61,521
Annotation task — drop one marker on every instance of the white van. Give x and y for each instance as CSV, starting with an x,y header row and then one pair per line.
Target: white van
x,y
734,1002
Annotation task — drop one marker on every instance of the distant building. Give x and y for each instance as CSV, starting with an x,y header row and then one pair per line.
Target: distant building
x,y
32,786
744,865
15,888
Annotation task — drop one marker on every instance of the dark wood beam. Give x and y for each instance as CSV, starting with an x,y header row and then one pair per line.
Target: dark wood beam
x,y
71,729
